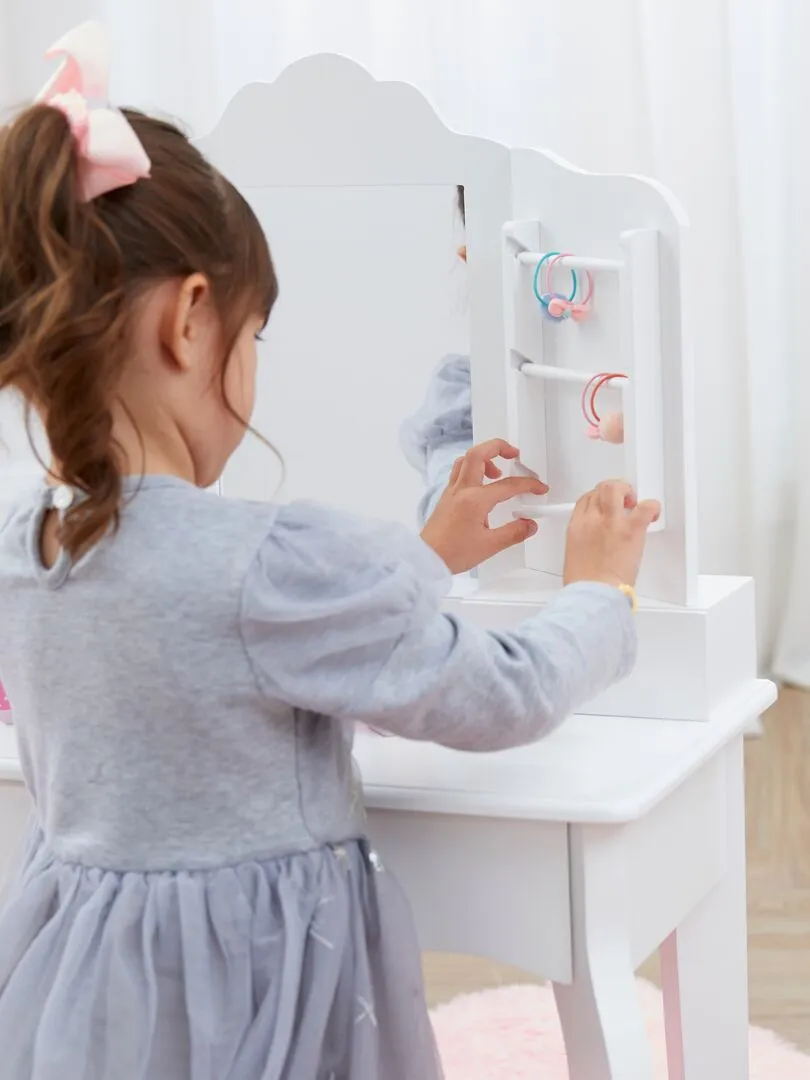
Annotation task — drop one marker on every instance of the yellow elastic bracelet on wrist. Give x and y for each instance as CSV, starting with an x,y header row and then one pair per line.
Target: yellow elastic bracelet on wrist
x,y
630,593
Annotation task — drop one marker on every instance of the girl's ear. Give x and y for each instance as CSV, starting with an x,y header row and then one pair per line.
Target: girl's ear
x,y
187,321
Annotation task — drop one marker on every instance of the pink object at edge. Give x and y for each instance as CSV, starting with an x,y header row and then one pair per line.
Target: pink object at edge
x,y
5,707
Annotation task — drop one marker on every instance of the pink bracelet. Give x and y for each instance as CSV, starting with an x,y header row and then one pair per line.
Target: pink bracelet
x,y
560,307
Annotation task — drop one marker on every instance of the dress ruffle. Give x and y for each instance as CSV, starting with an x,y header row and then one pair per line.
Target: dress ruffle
x,y
298,968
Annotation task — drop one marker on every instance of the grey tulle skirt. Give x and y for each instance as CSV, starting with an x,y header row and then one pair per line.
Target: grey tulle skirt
x,y
299,968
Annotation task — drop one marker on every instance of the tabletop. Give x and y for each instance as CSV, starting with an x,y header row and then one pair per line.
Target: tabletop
x,y
592,769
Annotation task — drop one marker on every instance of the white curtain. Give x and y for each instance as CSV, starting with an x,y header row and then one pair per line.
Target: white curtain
x,y
705,95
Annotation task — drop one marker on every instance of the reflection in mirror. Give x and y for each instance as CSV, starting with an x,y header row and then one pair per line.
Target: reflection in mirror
x,y
462,213
373,297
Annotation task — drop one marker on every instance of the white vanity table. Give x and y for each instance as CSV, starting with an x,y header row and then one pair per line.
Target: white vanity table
x,y
575,859
624,832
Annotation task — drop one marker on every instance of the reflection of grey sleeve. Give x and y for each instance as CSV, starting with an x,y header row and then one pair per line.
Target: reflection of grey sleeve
x,y
341,617
441,430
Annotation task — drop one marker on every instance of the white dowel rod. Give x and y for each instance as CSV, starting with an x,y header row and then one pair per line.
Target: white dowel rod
x,y
557,374
570,262
543,510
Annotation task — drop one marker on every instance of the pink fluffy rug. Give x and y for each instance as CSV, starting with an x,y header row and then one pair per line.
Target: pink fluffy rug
x,y
513,1032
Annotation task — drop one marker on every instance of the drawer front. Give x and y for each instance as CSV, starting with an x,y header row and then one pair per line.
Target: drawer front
x,y
487,887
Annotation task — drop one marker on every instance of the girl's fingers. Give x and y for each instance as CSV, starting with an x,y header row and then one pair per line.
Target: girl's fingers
x,y
506,536
646,513
456,469
510,488
583,504
491,471
614,496
475,460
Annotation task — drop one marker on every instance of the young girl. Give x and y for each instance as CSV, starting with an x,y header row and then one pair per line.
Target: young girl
x,y
199,901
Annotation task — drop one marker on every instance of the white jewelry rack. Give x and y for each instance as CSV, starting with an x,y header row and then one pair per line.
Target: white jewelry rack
x,y
640,352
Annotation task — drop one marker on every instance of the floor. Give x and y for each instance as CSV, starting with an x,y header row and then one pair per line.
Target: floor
x,y
778,802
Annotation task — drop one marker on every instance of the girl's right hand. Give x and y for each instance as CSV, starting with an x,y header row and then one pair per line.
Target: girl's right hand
x,y
606,535
458,530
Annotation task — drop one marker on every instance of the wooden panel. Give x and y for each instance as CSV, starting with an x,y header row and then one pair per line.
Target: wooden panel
x,y
778,812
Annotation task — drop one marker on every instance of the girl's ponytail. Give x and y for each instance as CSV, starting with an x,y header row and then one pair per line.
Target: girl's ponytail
x,y
62,313
72,271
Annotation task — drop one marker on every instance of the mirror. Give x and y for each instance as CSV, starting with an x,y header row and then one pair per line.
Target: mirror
x,y
372,297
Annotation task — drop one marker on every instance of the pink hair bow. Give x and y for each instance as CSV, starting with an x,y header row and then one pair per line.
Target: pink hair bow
x,y
111,154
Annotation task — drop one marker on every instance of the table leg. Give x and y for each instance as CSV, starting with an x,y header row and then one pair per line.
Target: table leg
x,y
600,1011
704,963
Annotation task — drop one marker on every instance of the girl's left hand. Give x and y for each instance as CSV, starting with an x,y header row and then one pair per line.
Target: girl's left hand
x,y
458,530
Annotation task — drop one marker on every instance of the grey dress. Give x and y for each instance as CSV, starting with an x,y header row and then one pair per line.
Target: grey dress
x,y
199,900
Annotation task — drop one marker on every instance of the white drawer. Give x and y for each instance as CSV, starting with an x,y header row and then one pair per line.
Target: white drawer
x,y
476,883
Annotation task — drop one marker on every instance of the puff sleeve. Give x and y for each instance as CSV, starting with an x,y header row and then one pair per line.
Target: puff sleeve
x,y
342,617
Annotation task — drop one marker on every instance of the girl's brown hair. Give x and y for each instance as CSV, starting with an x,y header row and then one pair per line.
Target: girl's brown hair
x,y
70,271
